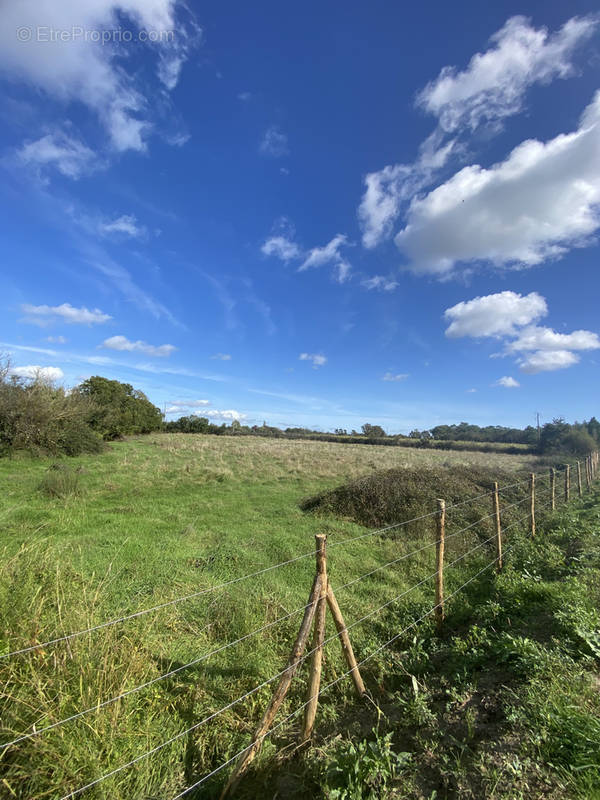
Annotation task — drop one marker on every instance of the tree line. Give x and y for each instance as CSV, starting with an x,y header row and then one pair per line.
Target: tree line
x,y
38,417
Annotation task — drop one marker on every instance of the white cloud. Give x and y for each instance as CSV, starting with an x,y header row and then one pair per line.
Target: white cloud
x,y
471,391
126,224
122,343
34,372
318,359
494,314
329,254
274,143
510,315
229,414
44,315
245,97
79,69
380,282
494,84
281,247
222,356
491,88
56,339
538,338
68,155
179,406
390,376
547,361
539,202
507,382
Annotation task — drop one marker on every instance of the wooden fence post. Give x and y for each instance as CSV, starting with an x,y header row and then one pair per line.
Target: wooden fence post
x,y
439,578
579,486
345,641
532,504
567,483
553,488
316,664
588,478
496,504
279,695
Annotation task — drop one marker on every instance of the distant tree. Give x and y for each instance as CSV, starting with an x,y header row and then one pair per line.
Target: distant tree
x,y
341,432
373,431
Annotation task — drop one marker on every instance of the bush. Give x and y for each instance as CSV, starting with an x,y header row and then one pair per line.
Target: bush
x,y
41,418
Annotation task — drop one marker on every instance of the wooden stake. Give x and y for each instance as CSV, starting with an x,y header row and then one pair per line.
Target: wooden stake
x,y
579,486
439,582
280,692
496,504
588,479
532,504
345,642
567,483
553,488
316,664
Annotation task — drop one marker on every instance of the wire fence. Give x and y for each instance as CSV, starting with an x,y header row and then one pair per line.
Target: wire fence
x,y
534,495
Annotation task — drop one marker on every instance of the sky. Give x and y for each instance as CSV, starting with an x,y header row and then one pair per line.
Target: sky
x,y
316,214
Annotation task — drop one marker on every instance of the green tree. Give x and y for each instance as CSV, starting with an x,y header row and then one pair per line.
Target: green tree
x,y
118,408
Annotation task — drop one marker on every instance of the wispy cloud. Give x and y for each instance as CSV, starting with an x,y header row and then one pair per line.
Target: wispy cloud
x,y
222,356
46,315
123,344
126,224
317,359
391,376
274,143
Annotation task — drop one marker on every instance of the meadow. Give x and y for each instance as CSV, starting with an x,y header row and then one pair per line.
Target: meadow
x,y
162,516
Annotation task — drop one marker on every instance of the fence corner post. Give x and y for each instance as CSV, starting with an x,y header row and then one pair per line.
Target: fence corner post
x,y
316,663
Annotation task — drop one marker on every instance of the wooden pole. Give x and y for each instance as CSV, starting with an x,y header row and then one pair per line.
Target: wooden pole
x,y
532,503
579,486
553,488
316,665
588,479
567,483
279,695
439,581
496,504
345,641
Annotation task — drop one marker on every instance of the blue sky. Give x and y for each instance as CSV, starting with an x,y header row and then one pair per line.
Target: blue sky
x,y
315,214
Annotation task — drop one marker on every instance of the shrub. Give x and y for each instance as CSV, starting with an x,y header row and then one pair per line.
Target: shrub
x,y
60,481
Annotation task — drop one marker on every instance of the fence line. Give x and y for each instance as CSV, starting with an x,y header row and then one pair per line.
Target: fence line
x,y
591,464
98,706
225,584
332,683
270,680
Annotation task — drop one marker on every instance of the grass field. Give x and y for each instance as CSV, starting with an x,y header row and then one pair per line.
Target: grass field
x,y
159,517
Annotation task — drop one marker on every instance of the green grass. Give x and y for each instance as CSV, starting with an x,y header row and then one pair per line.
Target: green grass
x,y
155,518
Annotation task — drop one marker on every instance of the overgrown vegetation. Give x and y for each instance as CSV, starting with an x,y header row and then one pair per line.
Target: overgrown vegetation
x,y
40,418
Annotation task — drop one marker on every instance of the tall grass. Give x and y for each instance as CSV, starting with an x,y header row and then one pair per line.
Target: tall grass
x,y
158,518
